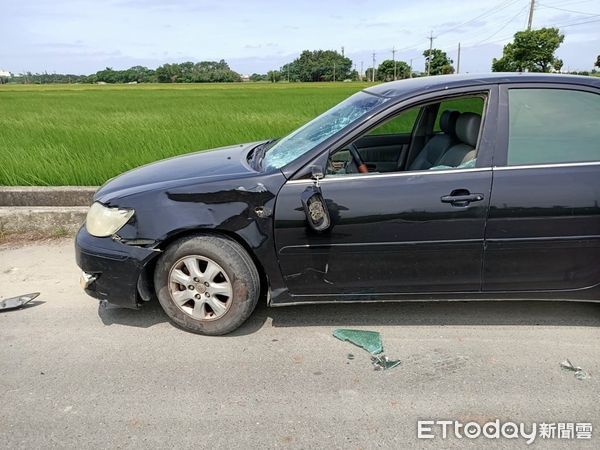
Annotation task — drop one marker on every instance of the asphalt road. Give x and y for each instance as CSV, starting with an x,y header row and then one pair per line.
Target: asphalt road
x,y
75,375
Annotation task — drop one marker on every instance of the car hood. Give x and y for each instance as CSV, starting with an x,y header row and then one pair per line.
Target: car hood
x,y
216,164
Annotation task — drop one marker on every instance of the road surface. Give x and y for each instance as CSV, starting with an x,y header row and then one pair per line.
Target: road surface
x,y
73,375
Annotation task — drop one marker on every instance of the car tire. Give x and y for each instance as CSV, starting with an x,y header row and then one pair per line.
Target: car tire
x,y
200,314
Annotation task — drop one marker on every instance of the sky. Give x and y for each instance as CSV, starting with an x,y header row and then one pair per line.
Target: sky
x,y
84,36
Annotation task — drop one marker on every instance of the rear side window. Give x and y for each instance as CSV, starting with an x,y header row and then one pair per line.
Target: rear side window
x,y
553,126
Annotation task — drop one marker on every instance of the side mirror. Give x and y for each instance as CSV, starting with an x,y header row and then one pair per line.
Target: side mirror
x,y
315,208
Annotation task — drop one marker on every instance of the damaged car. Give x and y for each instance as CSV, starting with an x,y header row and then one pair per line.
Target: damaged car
x,y
450,187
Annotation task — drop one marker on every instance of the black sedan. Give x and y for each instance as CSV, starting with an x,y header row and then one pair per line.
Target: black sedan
x,y
437,188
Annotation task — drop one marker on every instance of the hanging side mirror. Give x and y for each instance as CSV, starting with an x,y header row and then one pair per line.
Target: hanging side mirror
x,y
314,204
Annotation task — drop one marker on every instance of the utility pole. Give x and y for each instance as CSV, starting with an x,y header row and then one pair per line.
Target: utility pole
x,y
394,59
373,72
531,8
410,75
429,58
334,72
288,72
360,75
458,60
342,50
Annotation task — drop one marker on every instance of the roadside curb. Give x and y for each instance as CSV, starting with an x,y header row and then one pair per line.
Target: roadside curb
x,y
43,211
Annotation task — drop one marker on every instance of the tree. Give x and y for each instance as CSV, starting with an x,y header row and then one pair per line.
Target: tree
x,y
259,77
597,64
318,65
440,63
107,75
274,76
385,71
531,51
201,72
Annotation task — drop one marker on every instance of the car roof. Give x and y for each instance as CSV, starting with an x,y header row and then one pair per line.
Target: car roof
x,y
413,86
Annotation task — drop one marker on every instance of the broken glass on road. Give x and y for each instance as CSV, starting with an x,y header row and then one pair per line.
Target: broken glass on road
x,y
369,341
580,374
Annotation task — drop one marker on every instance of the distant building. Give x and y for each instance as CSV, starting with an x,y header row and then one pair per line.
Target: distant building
x,y
4,76
246,77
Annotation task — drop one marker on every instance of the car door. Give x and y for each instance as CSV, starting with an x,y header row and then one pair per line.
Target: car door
x,y
390,234
543,231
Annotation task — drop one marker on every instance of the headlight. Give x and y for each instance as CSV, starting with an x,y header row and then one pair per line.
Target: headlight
x,y
103,221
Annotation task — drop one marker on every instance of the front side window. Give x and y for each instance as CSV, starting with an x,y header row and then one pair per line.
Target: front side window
x,y
553,126
401,124
318,130
440,135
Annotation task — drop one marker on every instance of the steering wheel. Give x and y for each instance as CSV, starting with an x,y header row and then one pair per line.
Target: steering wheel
x,y
360,164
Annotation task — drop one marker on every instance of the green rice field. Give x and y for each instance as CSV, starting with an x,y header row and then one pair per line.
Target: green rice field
x,y
86,134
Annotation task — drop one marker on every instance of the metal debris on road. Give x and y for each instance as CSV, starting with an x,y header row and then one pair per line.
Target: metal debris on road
x,y
580,374
17,302
369,341
382,362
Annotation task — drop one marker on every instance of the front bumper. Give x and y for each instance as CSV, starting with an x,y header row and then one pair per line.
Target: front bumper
x,y
111,269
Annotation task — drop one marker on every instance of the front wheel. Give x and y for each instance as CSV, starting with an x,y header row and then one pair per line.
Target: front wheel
x,y
207,284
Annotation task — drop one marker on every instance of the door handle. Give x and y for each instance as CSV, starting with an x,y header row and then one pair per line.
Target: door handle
x,y
461,197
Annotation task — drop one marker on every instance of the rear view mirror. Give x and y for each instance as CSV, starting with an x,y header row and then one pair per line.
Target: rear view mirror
x,y
315,208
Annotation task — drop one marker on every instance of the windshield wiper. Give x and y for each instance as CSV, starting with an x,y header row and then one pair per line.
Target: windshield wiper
x,y
259,153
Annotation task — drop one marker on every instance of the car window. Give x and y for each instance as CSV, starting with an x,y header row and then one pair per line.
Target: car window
x,y
308,136
403,123
553,126
387,147
468,104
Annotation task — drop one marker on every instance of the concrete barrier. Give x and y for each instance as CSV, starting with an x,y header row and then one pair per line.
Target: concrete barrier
x,y
43,211
46,196
44,221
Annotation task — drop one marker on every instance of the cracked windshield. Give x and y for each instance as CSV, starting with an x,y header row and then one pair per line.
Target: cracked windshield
x,y
316,131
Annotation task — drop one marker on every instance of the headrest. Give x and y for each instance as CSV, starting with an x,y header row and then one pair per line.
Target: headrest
x,y
467,128
448,121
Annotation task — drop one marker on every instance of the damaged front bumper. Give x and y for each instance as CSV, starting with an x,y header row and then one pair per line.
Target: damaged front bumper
x,y
112,270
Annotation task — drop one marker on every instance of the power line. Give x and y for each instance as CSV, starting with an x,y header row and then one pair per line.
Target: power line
x,y
578,23
501,28
570,10
502,5
572,2
488,13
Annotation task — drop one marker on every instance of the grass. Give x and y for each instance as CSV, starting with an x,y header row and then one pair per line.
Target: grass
x,y
86,134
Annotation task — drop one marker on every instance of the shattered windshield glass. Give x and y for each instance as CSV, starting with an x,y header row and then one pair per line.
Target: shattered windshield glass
x,y
317,130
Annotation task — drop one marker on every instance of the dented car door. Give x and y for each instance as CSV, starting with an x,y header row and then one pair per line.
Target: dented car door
x,y
389,234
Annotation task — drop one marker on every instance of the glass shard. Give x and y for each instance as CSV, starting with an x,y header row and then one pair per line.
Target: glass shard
x,y
368,340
